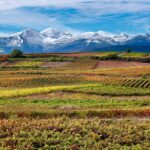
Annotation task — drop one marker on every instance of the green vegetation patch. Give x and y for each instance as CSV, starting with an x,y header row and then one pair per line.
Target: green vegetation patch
x,y
64,133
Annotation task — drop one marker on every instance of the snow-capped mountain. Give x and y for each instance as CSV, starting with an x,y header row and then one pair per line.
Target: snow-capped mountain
x,y
31,36
52,40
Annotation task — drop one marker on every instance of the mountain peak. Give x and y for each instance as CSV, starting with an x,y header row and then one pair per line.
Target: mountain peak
x,y
55,34
31,36
51,32
124,35
29,32
103,33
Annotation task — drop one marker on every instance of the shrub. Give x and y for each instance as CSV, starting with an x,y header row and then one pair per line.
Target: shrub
x,y
112,56
16,53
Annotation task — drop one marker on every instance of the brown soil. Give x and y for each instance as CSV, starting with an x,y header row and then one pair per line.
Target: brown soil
x,y
54,64
65,94
46,96
80,54
3,64
67,107
120,64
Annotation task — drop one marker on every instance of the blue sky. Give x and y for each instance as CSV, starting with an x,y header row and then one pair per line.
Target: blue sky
x,y
115,16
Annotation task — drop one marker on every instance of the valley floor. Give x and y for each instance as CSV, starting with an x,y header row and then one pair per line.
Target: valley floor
x,y
82,103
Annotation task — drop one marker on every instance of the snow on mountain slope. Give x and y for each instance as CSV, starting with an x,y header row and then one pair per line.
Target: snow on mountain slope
x,y
55,34
52,40
31,36
13,40
121,38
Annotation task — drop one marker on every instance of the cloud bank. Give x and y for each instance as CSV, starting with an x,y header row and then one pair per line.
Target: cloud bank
x,y
77,14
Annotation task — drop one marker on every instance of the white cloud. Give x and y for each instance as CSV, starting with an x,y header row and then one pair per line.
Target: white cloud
x,y
11,14
11,4
27,19
24,18
4,35
104,6
33,20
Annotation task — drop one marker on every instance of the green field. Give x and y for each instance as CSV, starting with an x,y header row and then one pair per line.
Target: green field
x,y
71,102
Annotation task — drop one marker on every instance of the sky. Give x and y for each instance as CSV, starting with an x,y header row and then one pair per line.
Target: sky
x,y
114,16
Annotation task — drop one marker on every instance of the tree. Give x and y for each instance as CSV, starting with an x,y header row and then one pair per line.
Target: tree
x,y
16,53
129,50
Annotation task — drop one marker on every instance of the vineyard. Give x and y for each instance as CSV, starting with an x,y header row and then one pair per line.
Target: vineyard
x,y
131,82
65,79
42,81
83,63
65,101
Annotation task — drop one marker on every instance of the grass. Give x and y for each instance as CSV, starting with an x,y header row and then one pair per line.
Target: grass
x,y
38,90
112,90
81,88
28,64
134,55
48,59
74,105
81,100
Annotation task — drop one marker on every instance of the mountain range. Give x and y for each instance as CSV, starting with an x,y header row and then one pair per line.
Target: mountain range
x,y
52,40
